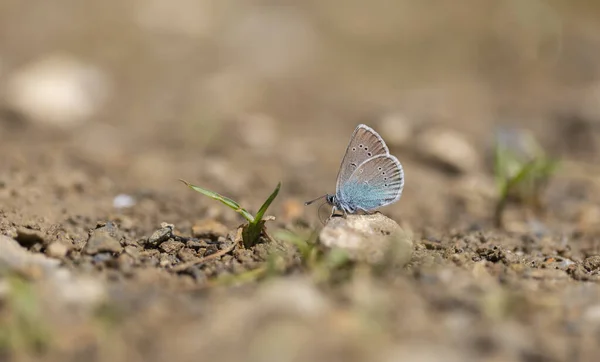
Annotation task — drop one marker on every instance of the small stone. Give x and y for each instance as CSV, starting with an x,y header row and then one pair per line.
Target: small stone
x,y
592,263
165,262
195,244
371,238
187,254
132,251
125,263
102,240
447,148
209,228
57,250
123,201
14,257
161,235
171,246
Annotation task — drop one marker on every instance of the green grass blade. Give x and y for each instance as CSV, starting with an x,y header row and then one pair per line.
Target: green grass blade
x,y
523,173
225,200
265,206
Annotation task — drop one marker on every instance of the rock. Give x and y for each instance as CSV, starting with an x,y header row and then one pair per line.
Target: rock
x,y
123,201
161,235
57,284
103,239
592,263
171,246
57,250
58,90
447,148
371,238
14,257
209,228
125,263
397,128
187,254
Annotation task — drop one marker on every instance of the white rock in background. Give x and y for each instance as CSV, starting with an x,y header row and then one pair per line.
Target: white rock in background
x,y
123,201
58,90
447,148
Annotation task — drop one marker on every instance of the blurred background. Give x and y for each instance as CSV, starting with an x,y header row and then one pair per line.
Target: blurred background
x,y
241,94
104,105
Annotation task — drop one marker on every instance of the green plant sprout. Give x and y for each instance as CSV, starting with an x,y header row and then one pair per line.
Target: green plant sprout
x,y
255,228
521,169
322,264
22,328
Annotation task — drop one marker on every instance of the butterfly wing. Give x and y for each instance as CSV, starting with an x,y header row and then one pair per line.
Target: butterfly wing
x,y
364,144
376,182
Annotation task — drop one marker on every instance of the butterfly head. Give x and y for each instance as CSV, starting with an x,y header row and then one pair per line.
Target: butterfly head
x,y
331,199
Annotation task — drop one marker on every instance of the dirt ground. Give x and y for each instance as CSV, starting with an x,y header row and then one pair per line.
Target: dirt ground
x,y
238,96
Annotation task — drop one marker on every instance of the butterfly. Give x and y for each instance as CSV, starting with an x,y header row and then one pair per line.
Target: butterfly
x,y
369,177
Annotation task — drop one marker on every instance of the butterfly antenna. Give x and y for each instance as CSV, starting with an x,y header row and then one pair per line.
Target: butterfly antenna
x,y
317,199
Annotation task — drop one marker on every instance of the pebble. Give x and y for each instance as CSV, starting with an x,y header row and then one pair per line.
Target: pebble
x,y
171,246
186,254
162,234
209,228
369,238
103,239
123,201
447,148
13,256
58,90
592,263
57,250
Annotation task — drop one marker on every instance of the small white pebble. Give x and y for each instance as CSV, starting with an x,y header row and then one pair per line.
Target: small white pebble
x,y
122,201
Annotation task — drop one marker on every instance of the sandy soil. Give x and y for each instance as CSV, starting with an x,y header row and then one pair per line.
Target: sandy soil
x,y
221,100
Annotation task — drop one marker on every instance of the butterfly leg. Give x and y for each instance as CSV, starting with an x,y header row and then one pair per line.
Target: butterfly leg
x,y
345,213
333,210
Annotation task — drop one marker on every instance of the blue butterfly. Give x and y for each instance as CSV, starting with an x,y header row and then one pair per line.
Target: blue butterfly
x,y
369,177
